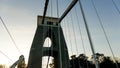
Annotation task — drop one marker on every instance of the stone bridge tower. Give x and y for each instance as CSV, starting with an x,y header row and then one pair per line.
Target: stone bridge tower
x,y
58,49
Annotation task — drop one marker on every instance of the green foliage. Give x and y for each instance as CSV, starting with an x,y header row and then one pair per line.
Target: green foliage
x,y
82,61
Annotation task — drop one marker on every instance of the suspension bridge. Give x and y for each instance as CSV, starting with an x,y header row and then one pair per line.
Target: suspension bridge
x,y
64,33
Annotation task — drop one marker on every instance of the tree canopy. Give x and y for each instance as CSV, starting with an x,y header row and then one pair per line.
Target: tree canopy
x,y
83,62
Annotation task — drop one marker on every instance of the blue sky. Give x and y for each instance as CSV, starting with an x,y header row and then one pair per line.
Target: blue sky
x,y
21,19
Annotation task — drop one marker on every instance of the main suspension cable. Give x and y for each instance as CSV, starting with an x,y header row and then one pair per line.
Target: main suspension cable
x,y
10,35
80,32
101,24
89,35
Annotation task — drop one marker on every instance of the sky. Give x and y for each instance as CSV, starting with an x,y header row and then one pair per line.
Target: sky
x,y
20,17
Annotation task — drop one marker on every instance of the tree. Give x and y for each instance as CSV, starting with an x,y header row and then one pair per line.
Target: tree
x,y
82,61
74,63
107,63
104,61
99,57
